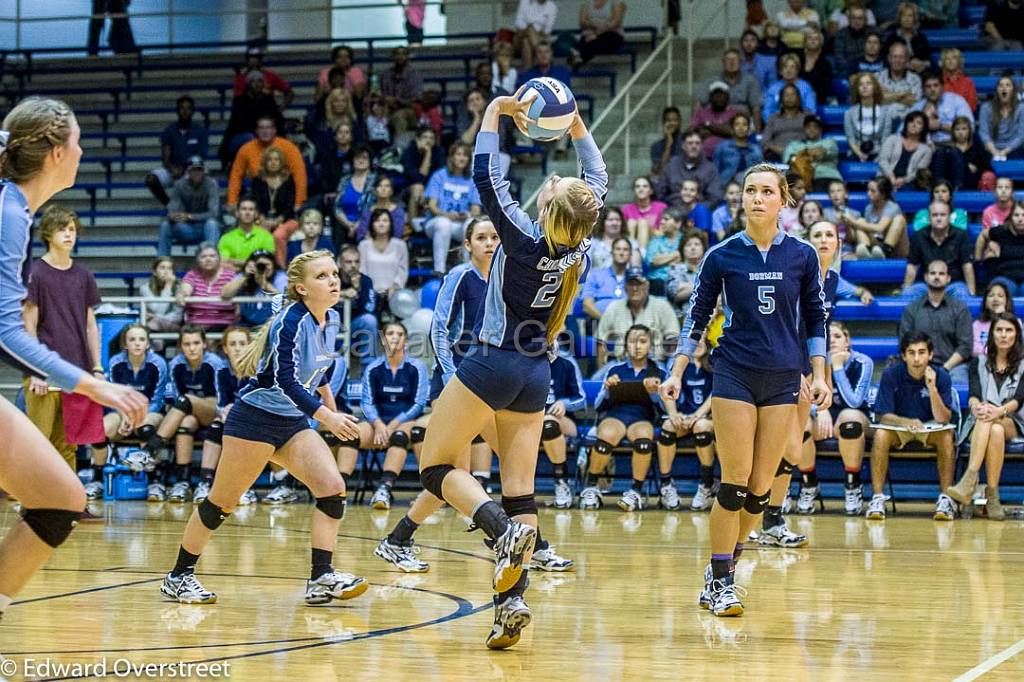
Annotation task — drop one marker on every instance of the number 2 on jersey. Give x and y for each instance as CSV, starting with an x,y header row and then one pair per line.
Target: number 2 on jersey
x,y
545,297
766,295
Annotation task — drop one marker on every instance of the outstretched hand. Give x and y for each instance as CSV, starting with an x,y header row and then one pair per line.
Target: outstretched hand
x,y
518,110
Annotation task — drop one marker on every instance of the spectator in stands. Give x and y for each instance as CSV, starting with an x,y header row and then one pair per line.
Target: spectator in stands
x,y
383,258
357,289
469,118
904,155
544,66
941,108
352,197
867,122
607,284
274,191
120,38
965,162
848,45
671,142
944,318
738,153
816,68
247,114
1007,267
935,14
644,214
311,236
335,163
789,216
415,13
883,221
259,278
941,191
901,88
823,153
324,118
690,164
504,75
810,212
236,245
723,216
254,65
872,60
639,307
794,20
911,394
58,310
785,125
167,315
178,142
452,201
192,211
996,397
789,74
711,121
683,275
608,229
600,30
996,300
954,79
535,21
1001,122
841,15
401,86
1003,28
753,63
838,213
249,161
379,131
695,214
940,242
383,197
207,280
771,40
907,31
999,212
421,158
745,92
663,249
343,58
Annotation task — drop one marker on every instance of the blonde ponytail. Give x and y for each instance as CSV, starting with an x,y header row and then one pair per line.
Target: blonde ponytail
x,y
571,216
250,360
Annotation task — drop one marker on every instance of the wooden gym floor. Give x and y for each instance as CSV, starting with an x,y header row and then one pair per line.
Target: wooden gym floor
x,y
907,599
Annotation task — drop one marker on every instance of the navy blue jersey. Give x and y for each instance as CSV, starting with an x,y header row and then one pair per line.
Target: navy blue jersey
x,y
459,302
567,383
388,395
150,380
294,363
764,296
201,382
695,390
525,277
904,396
852,382
227,385
17,348
626,372
337,379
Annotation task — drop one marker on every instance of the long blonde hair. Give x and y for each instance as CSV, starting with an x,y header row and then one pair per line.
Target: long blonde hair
x,y
34,127
282,167
250,360
569,219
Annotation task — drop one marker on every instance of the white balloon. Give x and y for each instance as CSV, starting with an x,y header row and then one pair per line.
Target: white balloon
x,y
418,326
404,303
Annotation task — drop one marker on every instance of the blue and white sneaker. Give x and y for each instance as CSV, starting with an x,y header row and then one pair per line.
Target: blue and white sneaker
x,y
334,585
510,617
509,549
186,589
725,598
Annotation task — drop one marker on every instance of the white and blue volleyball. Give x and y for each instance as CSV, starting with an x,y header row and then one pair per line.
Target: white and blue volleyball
x,y
552,108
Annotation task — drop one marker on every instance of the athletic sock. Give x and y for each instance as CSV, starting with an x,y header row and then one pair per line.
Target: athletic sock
x,y
186,563
721,565
638,485
540,543
853,478
388,478
707,476
97,472
321,563
559,471
665,479
157,443
516,590
483,478
401,534
590,480
809,478
491,519
182,472
206,475
772,516
736,553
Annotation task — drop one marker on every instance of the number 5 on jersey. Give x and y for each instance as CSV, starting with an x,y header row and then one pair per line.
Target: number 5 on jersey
x,y
766,295
545,297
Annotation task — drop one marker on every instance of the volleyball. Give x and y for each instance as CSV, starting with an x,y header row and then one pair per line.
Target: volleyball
x,y
552,108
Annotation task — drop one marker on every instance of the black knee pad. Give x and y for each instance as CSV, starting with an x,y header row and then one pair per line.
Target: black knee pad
x,y
331,440
332,505
182,431
52,526
552,430
667,438
478,439
417,435
785,468
851,430
517,506
643,446
183,403
433,477
145,432
732,497
399,439
755,504
211,515
807,436
603,447
702,440
215,432
350,443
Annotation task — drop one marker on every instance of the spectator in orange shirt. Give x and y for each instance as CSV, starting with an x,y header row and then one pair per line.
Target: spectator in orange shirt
x,y
955,80
249,159
254,62
246,111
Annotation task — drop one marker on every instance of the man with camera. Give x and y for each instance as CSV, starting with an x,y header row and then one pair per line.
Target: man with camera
x,y
358,289
259,278
237,245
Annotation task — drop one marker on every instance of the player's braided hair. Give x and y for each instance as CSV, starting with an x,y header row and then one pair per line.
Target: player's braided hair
x,y
30,131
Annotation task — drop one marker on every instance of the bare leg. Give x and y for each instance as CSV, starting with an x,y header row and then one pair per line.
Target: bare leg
x,y
880,460
308,459
735,425
773,425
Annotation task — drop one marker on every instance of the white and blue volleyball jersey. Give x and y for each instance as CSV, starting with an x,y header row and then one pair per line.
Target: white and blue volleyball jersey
x,y
294,363
525,278
227,385
696,388
459,302
17,348
631,412
764,296
150,380
567,383
388,395
200,382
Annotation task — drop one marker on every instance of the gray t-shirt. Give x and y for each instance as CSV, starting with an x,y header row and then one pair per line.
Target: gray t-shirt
x,y
890,210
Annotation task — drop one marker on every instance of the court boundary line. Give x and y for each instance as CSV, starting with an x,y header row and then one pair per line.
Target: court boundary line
x,y
991,663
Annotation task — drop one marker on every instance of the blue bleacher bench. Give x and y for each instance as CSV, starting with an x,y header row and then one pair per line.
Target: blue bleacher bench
x,y
963,38
912,201
890,308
